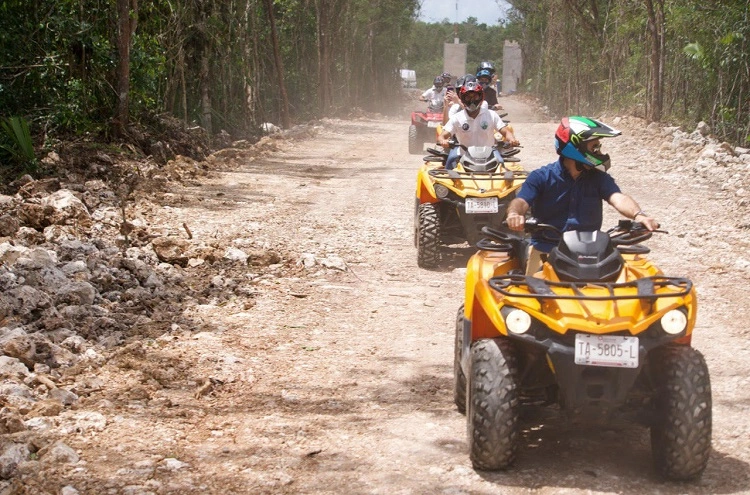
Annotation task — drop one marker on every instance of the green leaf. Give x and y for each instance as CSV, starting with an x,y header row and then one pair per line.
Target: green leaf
x,y
22,147
694,51
727,39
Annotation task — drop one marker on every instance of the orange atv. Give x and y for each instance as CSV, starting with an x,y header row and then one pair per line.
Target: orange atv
x,y
599,332
452,206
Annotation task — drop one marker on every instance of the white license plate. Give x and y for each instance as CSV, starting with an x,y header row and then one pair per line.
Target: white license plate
x,y
606,350
481,205
432,123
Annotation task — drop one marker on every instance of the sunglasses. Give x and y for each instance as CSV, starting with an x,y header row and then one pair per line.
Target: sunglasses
x,y
595,148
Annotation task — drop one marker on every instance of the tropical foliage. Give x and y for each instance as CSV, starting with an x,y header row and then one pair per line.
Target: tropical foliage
x,y
674,60
233,64
208,62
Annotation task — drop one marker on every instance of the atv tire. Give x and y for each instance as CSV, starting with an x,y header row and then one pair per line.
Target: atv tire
x,y
493,406
428,235
415,143
681,435
459,378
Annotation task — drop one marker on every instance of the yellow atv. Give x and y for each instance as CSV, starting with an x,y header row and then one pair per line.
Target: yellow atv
x,y
599,332
452,206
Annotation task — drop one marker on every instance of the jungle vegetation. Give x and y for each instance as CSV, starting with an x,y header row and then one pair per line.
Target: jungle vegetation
x,y
99,68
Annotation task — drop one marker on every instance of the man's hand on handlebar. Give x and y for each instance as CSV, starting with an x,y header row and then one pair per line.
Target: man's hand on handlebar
x,y
515,221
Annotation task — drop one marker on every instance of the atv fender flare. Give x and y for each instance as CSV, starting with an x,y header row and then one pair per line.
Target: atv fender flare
x,y
425,189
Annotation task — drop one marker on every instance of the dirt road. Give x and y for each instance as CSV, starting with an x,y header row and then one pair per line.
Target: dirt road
x,y
336,375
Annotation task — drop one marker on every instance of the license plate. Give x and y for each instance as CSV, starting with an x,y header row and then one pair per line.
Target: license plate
x,y
432,123
481,205
606,350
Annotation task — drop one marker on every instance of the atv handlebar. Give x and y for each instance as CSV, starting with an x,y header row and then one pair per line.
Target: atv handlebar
x,y
626,234
629,233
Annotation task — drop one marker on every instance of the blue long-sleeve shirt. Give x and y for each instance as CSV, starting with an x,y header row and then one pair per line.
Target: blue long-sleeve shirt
x,y
568,204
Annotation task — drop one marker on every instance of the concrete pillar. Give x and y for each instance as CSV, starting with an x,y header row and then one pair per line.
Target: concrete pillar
x,y
512,67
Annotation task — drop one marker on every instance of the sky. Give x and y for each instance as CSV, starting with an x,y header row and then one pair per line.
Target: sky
x,y
486,11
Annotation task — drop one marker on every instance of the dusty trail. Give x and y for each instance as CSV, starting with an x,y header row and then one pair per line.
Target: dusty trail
x,y
339,380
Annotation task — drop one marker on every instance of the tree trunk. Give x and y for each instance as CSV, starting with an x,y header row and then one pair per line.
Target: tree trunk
x,y
206,117
324,90
127,15
285,120
656,83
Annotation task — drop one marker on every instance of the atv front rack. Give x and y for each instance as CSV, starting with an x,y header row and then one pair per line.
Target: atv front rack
x,y
441,173
646,288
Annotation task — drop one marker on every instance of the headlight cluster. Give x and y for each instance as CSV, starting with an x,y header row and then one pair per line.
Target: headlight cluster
x,y
674,322
518,321
441,191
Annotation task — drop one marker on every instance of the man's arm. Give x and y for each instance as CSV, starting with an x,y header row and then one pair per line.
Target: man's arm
x,y
517,214
450,99
443,139
628,207
508,135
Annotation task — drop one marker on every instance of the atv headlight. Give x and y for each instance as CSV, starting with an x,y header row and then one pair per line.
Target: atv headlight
x,y
674,322
518,321
441,191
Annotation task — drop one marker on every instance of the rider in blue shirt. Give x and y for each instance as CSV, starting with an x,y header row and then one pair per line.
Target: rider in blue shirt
x,y
568,193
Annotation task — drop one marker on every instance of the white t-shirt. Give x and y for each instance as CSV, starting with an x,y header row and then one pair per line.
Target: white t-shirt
x,y
478,131
455,108
434,97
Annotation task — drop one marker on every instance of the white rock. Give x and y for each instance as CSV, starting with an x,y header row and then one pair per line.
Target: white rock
x,y
9,253
703,128
64,397
173,464
65,206
334,262
709,151
234,254
12,456
10,366
307,260
86,422
270,128
60,452
39,424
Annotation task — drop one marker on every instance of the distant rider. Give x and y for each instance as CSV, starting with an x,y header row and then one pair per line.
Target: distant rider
x,y
485,76
434,96
447,78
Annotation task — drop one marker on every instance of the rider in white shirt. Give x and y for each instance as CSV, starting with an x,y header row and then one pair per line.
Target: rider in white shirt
x,y
434,96
474,125
453,103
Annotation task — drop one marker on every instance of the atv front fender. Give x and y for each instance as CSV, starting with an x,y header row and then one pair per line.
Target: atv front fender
x,y
425,188
481,301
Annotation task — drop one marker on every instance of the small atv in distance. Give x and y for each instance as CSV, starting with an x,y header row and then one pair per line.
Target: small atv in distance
x,y
452,206
599,332
423,128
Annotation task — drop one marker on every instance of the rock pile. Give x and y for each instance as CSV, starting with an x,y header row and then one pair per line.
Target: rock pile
x,y
77,281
